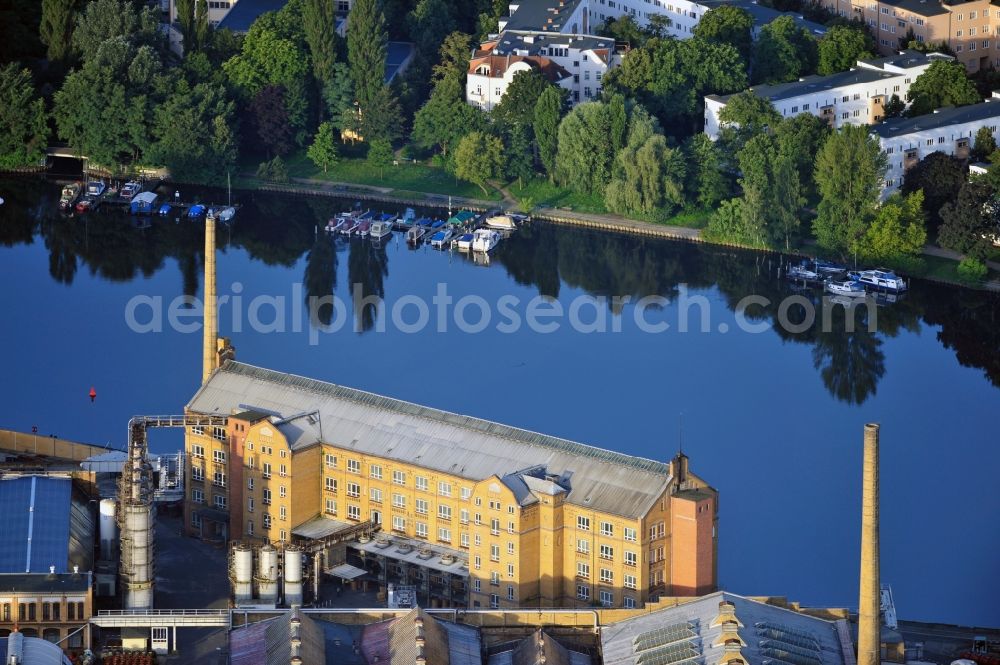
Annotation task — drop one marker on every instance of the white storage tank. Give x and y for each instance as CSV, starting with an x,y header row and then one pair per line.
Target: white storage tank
x,y
108,529
293,576
242,574
267,575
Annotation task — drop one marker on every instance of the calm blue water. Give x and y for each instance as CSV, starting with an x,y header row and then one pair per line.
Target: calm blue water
x,y
772,420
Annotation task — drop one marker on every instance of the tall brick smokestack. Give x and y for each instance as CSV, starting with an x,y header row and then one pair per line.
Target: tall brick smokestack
x,y
211,332
869,620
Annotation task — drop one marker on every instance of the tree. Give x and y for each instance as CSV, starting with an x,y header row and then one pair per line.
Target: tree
x,y
191,134
939,177
454,57
841,47
319,22
338,95
943,83
23,128
897,233
547,115
730,224
323,151
784,52
271,120
727,24
707,184
518,102
192,18
382,119
745,115
625,30
518,154
445,118
380,154
104,19
894,107
849,171
479,158
273,170
670,78
985,144
584,157
367,43
648,176
56,29
618,121
770,184
972,270
800,137
970,222
430,22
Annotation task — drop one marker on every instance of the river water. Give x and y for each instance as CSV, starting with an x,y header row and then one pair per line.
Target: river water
x,y
772,418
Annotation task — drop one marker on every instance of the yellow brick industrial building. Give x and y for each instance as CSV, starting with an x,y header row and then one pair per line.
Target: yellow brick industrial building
x,y
528,519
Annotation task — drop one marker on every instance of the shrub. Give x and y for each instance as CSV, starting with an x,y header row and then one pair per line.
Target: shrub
x,y
972,270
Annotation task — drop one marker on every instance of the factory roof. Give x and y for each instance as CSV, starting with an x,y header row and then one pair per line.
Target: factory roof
x,y
943,117
541,15
694,631
36,513
31,651
538,648
319,527
450,443
394,642
44,583
269,642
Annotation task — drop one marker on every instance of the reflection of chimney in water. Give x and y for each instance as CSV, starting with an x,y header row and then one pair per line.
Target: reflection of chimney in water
x,y
869,622
211,332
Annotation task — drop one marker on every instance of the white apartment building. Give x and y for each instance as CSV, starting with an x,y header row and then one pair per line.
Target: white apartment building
x,y
577,63
857,96
951,130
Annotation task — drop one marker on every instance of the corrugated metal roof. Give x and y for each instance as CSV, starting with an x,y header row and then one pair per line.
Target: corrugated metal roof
x,y
434,439
36,513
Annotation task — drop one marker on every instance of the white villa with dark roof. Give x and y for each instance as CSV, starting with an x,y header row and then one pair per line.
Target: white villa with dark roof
x,y
857,96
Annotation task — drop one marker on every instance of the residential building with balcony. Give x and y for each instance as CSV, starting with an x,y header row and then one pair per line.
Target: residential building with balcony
x,y
951,130
577,63
514,518
968,28
856,97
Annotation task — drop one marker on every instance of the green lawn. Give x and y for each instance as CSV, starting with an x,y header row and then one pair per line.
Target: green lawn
x,y
936,267
407,177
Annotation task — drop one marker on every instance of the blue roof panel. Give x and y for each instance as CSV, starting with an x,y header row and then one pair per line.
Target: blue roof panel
x,y
36,516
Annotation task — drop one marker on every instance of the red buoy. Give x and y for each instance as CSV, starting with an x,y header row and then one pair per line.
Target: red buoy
x,y
93,394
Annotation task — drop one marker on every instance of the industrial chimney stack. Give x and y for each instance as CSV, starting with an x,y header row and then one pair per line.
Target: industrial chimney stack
x,y
209,348
869,620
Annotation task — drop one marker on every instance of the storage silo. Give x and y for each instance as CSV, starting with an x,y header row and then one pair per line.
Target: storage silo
x,y
293,576
267,575
108,529
242,574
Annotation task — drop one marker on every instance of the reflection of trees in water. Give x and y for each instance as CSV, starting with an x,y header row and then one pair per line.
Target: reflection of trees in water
x,y
278,230
320,278
850,363
367,268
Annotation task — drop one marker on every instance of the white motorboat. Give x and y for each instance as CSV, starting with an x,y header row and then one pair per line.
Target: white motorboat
x,y
848,288
463,242
414,234
441,238
505,222
227,214
484,240
882,280
380,229
801,273
96,187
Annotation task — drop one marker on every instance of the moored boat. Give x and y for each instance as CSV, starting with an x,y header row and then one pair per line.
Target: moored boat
x,y
349,226
463,242
802,273
165,209
69,195
848,288
196,211
130,189
438,223
226,214
85,204
505,222
381,229
143,203
828,267
414,234
484,240
364,226
96,188
881,280
440,239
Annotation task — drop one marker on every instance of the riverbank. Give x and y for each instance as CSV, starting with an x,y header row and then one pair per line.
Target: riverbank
x,y
940,265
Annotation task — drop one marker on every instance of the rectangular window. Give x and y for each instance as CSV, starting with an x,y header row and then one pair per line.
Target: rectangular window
x,y
331,506
607,552
219,456
219,433
607,575
266,500
494,601
375,471
607,529
444,512
444,489
197,451
353,466
510,547
630,582
220,501
607,598
583,546
631,558
583,523
465,540
200,431
421,506
219,479
398,523
495,527
466,493
266,470
197,496
353,512
629,602
331,484
510,592
398,501
421,483
421,530
583,592
630,535
494,578
331,461
463,516
282,470
281,491
283,513
197,473
582,569
399,477
353,490
494,552
375,495
250,505
444,535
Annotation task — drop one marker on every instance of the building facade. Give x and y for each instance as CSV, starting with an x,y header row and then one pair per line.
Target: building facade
x,y
538,521
577,63
856,97
968,28
951,130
